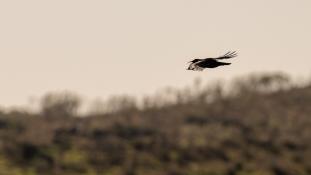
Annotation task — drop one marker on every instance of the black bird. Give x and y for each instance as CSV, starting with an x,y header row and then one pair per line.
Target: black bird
x,y
201,64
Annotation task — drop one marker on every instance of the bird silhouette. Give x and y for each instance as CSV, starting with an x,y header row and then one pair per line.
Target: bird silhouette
x,y
201,64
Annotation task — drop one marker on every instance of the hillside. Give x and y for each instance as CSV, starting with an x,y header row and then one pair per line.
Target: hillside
x,y
259,125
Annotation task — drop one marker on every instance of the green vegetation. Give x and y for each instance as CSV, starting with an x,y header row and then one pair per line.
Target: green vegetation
x,y
259,125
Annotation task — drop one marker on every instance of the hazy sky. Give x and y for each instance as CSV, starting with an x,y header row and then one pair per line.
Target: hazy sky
x,y
102,47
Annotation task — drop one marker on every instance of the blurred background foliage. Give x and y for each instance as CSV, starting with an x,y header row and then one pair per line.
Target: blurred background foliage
x,y
258,125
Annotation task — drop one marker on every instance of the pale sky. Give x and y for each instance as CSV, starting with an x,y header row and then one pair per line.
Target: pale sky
x,y
98,48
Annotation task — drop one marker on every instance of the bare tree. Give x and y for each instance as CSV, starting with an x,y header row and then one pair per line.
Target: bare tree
x,y
60,104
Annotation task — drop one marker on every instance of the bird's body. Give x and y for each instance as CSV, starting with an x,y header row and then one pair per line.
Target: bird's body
x,y
201,64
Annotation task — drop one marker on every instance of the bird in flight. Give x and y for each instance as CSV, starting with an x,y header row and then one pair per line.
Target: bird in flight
x,y
201,64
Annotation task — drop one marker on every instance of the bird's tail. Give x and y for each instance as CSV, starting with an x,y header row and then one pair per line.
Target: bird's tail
x,y
223,64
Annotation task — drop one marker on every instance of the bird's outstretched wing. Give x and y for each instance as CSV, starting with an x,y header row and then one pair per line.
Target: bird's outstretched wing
x,y
227,55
